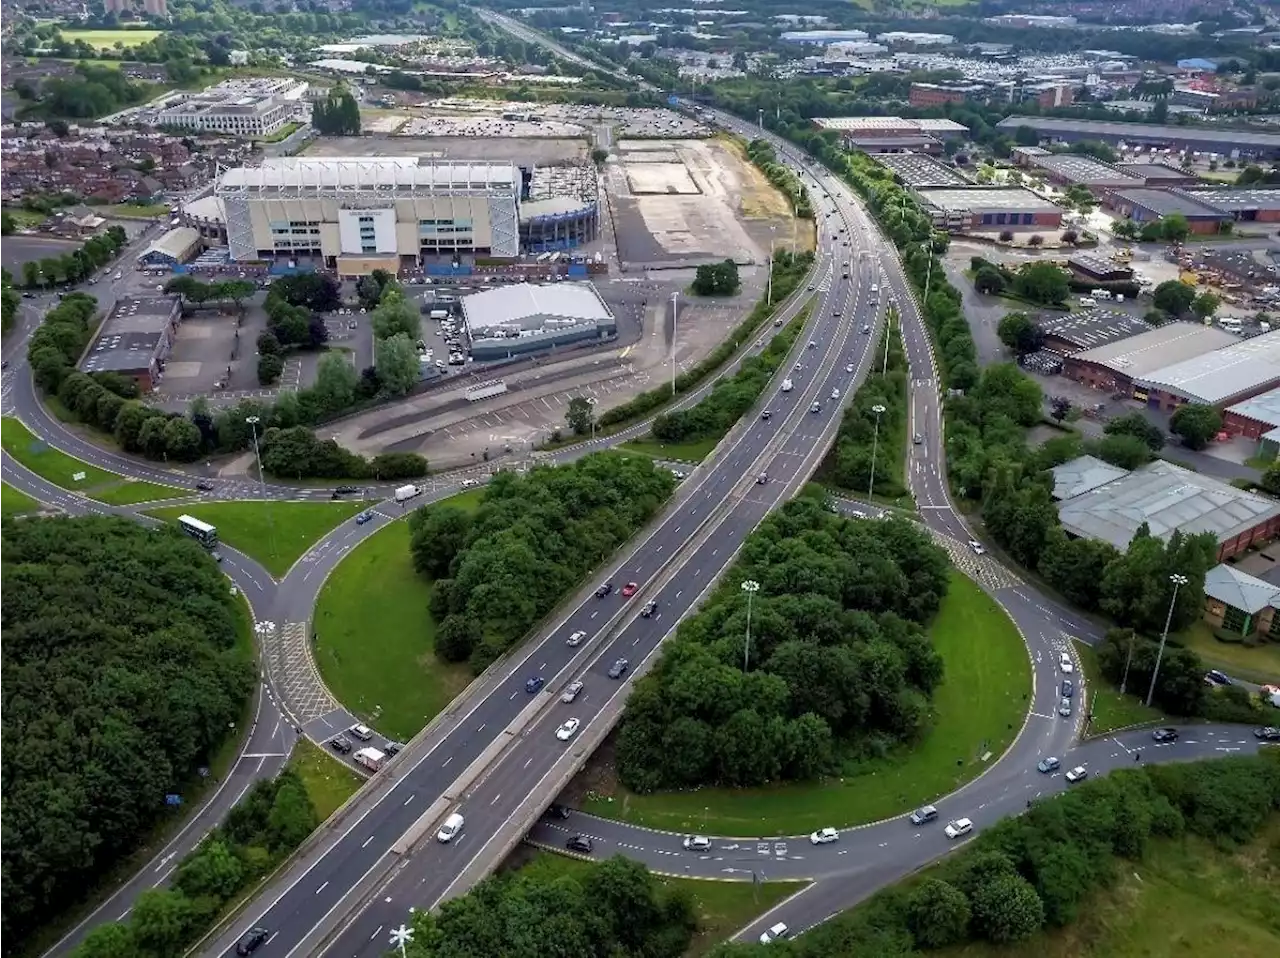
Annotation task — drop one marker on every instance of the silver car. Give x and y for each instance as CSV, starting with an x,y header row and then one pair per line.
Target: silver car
x,y
1064,708
571,692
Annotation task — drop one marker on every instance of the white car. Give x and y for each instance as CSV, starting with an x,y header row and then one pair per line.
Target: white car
x,y
1077,774
848,368
976,546
575,640
824,837
697,843
1066,664
961,826
568,730
777,933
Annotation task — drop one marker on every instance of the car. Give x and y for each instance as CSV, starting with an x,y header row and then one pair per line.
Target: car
x,y
1064,708
558,811
362,732
1164,735
204,485
575,640
450,829
393,748
976,547
252,940
1214,677
777,323
618,669
28,295
866,329
534,683
1267,734
917,439
469,483
579,843
816,407
759,342
798,366
366,516
762,479
604,590
961,826
630,589
1077,774
778,932
848,367
1065,663
1068,688
824,836
766,415
924,815
811,284
835,393
570,692
340,743
697,843
568,730
1048,765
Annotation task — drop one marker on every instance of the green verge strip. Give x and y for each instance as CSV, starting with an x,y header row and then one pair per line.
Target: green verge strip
x,y
1111,710
15,503
976,712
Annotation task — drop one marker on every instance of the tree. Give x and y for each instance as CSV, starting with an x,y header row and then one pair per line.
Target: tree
x,y
1126,229
580,416
938,914
1139,426
270,366
1173,297
1020,333
1075,567
439,533
335,386
1205,305
397,363
1271,479
212,869
1059,408
396,315
161,921
182,440
717,279
1041,283
1127,452
989,280
599,156
1007,909
1196,424
1174,227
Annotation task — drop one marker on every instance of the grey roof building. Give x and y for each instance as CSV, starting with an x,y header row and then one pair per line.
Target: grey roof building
x,y
1243,369
135,339
1216,139
1070,332
1167,497
1080,475
919,169
526,317
1156,203
1240,590
1133,358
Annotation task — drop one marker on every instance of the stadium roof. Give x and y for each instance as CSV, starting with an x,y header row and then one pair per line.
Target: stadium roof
x,y
1240,590
524,308
1220,376
1264,408
1218,138
358,172
1080,475
1157,348
1166,497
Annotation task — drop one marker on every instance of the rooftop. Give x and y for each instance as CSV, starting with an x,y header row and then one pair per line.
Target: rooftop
x,y
872,124
1240,590
130,336
1144,132
1155,171
1080,475
1223,374
1165,497
524,308
982,198
1084,170
1092,328
1231,200
175,243
356,172
1096,264
1156,348
1167,202
1264,408
917,169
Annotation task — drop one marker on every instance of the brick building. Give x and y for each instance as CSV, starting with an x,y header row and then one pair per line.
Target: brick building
x,y
135,340
989,209
1114,366
1225,376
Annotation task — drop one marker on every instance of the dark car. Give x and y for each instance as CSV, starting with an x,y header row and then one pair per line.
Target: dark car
x,y
204,485
650,607
1214,677
392,748
252,940
618,669
558,811
340,744
1165,735
1068,689
604,590
346,490
766,415
1267,734
579,843
533,683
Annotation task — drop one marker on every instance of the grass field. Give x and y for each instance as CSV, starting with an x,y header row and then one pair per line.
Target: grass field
x,y
134,210
1257,663
678,451
722,907
329,782
15,503
375,635
106,39
1185,900
277,534
1111,710
977,710
25,219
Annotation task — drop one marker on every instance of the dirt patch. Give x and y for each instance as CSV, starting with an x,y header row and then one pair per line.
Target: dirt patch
x,y
758,199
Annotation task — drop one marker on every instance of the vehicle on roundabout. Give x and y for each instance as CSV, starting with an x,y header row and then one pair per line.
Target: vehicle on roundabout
x,y
1048,765
1164,735
568,730
579,843
961,826
824,836
697,843
924,815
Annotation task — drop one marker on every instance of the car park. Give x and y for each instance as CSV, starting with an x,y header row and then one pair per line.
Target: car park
x,y
1164,735
961,826
618,669
1064,708
1065,663
251,941
1048,765
778,932
924,815
697,843
650,607
1077,774
575,640
533,683
629,590
340,743
604,590
824,836
579,843
570,692
568,729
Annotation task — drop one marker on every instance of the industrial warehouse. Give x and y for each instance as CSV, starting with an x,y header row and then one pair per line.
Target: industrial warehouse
x,y
1217,139
989,208
524,318
892,134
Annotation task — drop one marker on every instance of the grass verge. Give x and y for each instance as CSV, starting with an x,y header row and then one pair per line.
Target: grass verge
x,y
1258,663
329,783
134,211
977,710
276,534
15,503
375,637
106,39
1111,710
694,451
722,907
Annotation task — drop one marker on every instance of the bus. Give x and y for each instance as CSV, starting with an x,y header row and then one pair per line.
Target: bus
x,y
202,532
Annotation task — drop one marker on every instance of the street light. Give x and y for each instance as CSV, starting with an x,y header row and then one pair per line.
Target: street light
x,y
401,936
1178,581
675,318
750,587
262,483
771,240
875,441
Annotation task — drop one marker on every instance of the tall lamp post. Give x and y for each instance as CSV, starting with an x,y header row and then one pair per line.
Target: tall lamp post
x,y
875,441
770,293
750,587
675,316
1178,581
262,483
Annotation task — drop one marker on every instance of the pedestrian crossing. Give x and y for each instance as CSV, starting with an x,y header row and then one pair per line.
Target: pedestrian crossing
x,y
981,568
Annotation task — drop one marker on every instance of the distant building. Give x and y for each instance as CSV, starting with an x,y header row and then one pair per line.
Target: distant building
x,y
1115,366
1089,266
822,36
1067,333
1146,206
256,107
175,247
1225,376
526,318
989,209
892,134
940,94
1217,139
155,8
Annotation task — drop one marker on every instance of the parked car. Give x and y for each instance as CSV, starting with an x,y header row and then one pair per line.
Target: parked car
x,y
619,669
961,826
1048,765
534,683
568,729
570,692
697,843
1165,735
824,836
362,732
393,748
924,815
340,743
579,843
575,640
1077,774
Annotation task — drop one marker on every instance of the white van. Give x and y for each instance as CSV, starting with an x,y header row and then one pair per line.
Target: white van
x,y
449,830
1230,324
1087,302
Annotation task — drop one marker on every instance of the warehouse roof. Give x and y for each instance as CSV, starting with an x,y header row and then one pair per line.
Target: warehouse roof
x,y
1170,343
1082,474
354,172
131,335
1084,170
1165,497
528,307
175,243
1168,202
1264,408
872,124
918,169
1155,171
1092,327
1231,200
980,198
1144,132
1240,590
1223,374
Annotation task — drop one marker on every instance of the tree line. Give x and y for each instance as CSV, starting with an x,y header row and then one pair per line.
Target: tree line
x,y
77,265
1038,871
337,115
762,154
121,675
837,665
195,294
498,570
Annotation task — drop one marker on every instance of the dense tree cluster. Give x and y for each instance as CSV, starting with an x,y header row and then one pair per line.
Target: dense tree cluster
x,y
337,115
77,265
838,663
762,154
613,909
261,830
91,92
120,679
56,345
532,540
1040,869
717,279
297,453
294,305
195,294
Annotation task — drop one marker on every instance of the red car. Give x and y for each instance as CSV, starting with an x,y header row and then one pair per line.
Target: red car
x,y
629,590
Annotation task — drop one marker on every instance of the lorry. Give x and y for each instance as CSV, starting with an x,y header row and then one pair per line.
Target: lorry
x,y
405,493
370,758
438,314
786,385
495,387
